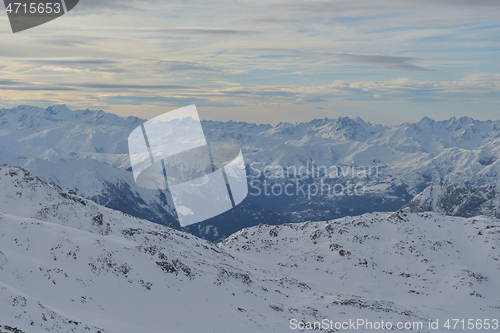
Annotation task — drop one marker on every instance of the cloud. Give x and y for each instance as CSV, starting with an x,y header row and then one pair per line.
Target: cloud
x,y
184,66
6,84
130,86
399,63
203,31
37,88
472,88
70,61
271,93
369,8
69,64
66,41
20,85
291,54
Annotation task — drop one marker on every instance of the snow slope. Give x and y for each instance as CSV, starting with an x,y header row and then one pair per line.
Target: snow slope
x,y
70,265
424,265
458,199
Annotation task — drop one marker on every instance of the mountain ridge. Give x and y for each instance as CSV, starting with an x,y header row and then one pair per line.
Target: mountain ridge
x,y
458,199
407,159
70,265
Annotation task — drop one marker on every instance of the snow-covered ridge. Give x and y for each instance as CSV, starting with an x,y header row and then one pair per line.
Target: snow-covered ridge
x,y
81,134
435,150
413,154
70,265
57,133
86,151
458,199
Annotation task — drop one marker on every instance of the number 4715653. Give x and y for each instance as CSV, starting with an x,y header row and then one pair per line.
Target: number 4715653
x,y
471,324
33,8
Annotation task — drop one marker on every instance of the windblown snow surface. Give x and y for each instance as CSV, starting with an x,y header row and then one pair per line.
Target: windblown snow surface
x,y
70,265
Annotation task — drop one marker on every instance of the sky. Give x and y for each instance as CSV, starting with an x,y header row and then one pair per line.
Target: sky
x,y
387,62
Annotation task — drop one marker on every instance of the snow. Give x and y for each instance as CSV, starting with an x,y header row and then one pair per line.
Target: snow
x,y
70,265
458,199
456,147
86,151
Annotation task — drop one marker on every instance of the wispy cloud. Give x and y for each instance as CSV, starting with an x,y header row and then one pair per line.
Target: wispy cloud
x,y
401,63
26,86
202,31
182,66
124,87
261,58
70,61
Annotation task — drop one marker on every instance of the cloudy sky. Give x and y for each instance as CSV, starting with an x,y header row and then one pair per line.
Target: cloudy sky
x,y
262,61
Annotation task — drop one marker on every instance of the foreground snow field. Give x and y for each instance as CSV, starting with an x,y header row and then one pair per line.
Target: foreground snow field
x,y
70,265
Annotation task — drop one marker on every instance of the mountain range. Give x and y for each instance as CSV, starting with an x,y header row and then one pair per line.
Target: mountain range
x,y
331,167
70,265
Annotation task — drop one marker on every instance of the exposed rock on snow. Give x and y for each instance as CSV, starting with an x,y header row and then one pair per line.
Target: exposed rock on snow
x,y
70,265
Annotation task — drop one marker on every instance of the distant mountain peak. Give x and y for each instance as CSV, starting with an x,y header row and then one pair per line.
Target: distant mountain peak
x,y
426,121
55,109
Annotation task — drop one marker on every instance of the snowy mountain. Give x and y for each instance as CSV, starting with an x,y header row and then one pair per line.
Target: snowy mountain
x,y
57,133
391,164
458,199
86,151
70,265
317,170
